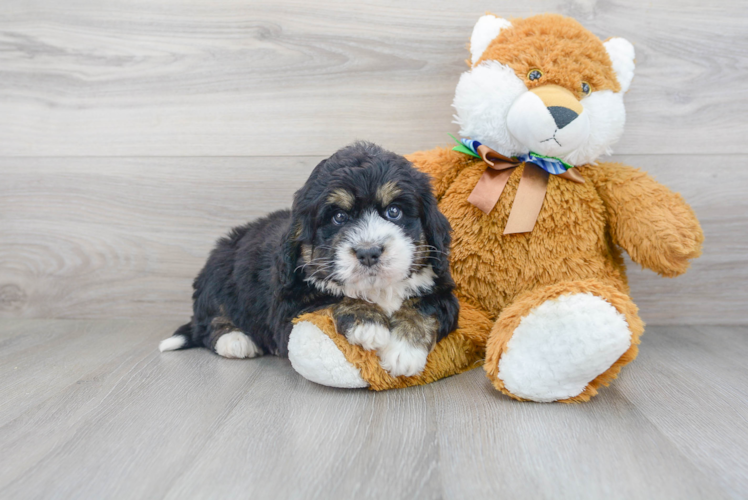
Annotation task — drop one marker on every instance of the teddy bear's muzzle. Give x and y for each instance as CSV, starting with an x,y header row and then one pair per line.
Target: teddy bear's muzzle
x,y
549,120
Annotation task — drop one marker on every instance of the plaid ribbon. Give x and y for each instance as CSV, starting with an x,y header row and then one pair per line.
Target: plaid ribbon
x,y
550,164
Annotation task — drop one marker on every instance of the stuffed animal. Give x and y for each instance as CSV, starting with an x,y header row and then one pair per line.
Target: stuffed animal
x,y
538,223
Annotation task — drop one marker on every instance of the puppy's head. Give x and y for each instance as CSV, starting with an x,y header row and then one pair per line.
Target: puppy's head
x,y
366,221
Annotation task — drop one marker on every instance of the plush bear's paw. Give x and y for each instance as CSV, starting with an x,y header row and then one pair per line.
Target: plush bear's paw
x,y
679,253
370,336
562,345
315,357
399,357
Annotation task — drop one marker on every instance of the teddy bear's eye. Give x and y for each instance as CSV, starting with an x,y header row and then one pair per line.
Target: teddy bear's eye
x,y
534,74
586,88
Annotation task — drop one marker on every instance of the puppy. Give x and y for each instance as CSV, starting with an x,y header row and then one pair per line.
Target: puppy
x,y
364,236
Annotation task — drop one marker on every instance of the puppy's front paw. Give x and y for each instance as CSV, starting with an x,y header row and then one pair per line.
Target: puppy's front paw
x,y
362,323
400,357
370,336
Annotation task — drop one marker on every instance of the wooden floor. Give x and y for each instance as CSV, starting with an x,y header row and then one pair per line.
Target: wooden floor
x,y
91,409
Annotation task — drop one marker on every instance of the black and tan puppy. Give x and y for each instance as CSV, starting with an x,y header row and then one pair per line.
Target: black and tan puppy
x,y
365,236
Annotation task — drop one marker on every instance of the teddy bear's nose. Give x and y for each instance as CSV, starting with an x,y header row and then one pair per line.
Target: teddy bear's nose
x,y
562,116
563,106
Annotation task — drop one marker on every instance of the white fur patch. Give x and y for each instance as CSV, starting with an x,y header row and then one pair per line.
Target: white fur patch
x,y
236,345
607,116
172,343
622,55
315,357
399,357
389,298
370,336
561,346
482,101
485,30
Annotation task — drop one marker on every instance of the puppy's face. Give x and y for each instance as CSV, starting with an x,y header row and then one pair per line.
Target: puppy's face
x,y
369,236
367,222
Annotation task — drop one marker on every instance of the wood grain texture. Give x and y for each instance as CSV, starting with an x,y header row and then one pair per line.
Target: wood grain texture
x,y
119,237
230,77
90,409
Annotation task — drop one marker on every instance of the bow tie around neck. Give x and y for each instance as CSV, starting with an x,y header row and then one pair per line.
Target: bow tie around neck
x,y
532,187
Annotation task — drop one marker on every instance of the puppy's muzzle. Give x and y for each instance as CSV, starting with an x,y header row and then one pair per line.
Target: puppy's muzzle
x,y
369,256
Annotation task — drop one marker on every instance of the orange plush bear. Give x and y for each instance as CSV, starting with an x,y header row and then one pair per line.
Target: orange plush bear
x,y
538,224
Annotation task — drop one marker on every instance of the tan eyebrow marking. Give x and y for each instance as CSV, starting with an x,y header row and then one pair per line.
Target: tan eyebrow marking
x,y
387,192
341,198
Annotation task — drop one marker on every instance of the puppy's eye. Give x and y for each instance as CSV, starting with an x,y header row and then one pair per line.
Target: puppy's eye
x,y
393,212
534,74
586,88
339,218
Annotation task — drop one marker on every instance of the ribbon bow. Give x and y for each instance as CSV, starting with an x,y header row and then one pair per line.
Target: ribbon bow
x,y
532,186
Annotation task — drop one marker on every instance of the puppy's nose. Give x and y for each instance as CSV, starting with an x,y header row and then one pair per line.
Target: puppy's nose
x,y
369,256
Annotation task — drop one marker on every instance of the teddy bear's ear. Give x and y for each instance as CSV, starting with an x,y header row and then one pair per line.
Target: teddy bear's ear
x,y
621,53
486,29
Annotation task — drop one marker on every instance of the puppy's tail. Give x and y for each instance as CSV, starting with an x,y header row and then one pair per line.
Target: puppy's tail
x,y
182,339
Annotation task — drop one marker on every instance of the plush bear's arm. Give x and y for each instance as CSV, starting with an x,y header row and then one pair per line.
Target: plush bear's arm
x,y
653,224
442,164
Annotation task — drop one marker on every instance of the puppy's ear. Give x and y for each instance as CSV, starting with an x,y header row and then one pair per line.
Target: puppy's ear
x,y
437,230
301,230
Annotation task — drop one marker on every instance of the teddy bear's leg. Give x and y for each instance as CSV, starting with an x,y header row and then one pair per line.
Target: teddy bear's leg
x,y
320,354
562,342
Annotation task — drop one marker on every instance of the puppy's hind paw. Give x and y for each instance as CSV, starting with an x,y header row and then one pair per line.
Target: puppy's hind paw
x,y
399,357
370,336
236,345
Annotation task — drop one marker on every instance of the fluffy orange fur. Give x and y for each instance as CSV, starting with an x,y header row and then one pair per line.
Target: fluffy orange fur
x,y
554,43
576,244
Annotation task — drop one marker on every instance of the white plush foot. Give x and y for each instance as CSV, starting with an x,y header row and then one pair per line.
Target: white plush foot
x,y
399,357
370,336
236,345
561,346
316,357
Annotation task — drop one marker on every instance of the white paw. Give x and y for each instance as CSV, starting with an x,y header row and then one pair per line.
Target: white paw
x,y
370,336
561,346
315,357
399,357
236,345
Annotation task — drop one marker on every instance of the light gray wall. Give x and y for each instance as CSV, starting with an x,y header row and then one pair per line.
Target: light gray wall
x,y
132,134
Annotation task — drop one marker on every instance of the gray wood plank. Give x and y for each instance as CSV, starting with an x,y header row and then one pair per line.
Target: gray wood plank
x,y
231,77
694,392
323,443
604,449
124,237
128,422
193,424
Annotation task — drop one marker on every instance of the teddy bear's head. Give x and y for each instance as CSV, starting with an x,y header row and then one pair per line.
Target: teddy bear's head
x,y
544,85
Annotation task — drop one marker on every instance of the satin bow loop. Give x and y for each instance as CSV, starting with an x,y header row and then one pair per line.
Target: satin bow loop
x,y
532,186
